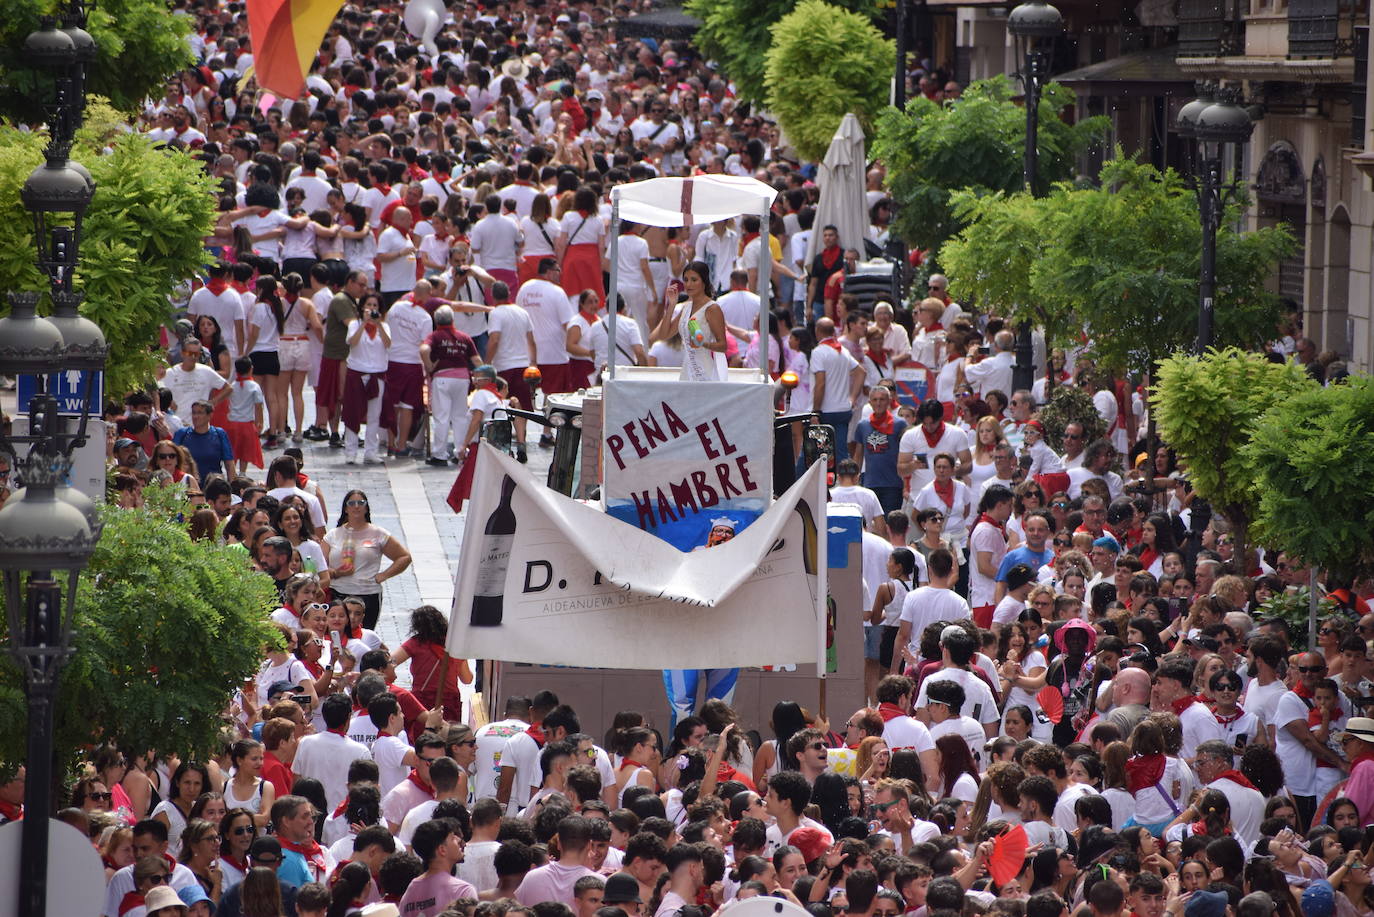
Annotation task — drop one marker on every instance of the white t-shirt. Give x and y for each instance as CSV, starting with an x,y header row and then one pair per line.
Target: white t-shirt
x,y
907,732
741,308
1007,610
369,354
495,240
326,756
409,324
988,539
266,323
1262,700
226,309
837,364
1299,764
389,752
928,604
1063,809
968,729
398,274
626,337
188,387
994,372
549,310
522,753
535,243
978,702
952,440
866,500
513,323
631,251
491,744
262,223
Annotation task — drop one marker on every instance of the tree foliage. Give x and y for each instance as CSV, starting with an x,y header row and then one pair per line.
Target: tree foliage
x,y
736,33
1312,457
1119,262
977,144
166,630
1070,404
139,44
1208,410
825,61
142,234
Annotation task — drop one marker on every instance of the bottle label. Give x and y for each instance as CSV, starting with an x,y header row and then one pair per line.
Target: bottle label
x,y
491,568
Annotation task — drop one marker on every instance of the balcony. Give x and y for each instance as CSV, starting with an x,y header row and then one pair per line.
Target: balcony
x,y
1321,29
1301,41
1210,28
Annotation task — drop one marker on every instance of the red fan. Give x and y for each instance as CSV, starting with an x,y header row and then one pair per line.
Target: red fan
x,y
1008,855
1051,702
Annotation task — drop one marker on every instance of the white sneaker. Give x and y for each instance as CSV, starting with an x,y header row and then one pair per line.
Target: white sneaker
x,y
369,459
351,458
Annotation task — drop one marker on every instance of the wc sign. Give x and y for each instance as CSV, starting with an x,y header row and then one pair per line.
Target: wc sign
x,y
68,387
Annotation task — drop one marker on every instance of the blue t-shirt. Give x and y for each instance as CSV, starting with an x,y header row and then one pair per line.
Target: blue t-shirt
x,y
210,449
293,870
1024,555
880,453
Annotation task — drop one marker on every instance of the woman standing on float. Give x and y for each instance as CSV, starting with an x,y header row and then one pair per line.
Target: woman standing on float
x,y
700,323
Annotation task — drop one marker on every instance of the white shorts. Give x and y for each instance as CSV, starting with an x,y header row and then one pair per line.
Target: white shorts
x,y
294,355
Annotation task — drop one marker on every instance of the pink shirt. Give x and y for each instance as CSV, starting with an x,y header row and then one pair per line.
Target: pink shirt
x,y
553,882
428,895
1360,789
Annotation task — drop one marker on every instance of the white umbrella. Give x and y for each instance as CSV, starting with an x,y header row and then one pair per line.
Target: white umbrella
x,y
844,203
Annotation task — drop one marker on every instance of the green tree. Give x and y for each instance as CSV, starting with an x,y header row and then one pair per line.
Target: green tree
x,y
142,237
736,34
825,61
139,44
1312,457
1208,410
1118,262
166,630
932,150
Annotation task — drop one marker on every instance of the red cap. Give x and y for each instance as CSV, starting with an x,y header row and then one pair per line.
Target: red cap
x,y
812,842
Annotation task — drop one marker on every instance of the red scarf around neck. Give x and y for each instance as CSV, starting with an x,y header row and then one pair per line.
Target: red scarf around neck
x,y
1183,703
832,343
882,422
890,712
1236,776
240,379
748,237
933,439
1228,718
311,850
945,491
419,781
1001,526
1147,557
217,285
11,812
591,317
371,329
879,359
1144,771
241,865
130,901
536,732
831,256
631,762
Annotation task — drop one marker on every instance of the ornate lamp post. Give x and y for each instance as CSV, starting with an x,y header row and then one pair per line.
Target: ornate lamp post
x,y
47,528
1034,26
1212,125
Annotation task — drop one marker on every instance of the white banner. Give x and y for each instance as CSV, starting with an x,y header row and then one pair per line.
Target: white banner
x,y
543,578
681,457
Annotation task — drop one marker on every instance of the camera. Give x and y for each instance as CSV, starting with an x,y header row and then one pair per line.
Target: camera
x,y
373,314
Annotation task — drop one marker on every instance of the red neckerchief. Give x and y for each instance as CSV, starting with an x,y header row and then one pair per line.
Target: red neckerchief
x,y
831,256
371,329
831,342
1200,827
890,712
879,359
302,480
384,188
171,861
934,326
1144,771
536,732
748,237
1226,719
419,781
340,808
1001,526
1236,776
1300,690
945,491
130,901
177,475
591,317
1147,557
882,422
631,762
311,850
239,286
314,668
341,731
1183,703
490,387
932,440
109,863
240,379
217,285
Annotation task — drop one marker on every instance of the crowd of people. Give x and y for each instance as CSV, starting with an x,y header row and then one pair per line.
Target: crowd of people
x,y
1074,699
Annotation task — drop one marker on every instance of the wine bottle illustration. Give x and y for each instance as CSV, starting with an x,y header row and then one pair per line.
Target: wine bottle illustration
x,y
497,537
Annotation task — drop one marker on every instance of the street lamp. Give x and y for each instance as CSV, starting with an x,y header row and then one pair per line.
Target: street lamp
x,y
1213,127
1034,26
48,529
